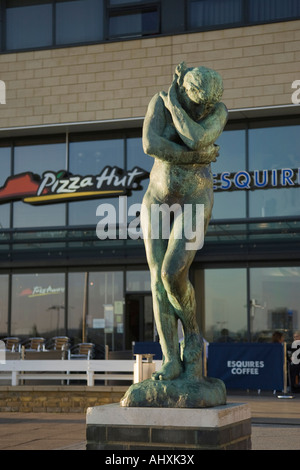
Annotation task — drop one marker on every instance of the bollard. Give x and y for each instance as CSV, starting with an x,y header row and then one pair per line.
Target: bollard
x,y
143,369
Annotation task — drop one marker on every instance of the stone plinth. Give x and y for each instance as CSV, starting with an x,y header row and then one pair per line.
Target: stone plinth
x,y
113,427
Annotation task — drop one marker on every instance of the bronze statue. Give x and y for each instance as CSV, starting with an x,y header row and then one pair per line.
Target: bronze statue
x,y
180,130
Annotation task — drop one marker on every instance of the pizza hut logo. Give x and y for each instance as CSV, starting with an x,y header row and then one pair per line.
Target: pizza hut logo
x,y
62,186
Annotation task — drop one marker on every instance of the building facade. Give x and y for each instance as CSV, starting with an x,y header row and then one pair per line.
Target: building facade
x,y
76,79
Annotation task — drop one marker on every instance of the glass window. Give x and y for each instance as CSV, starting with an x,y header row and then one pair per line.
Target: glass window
x,y
281,202
265,10
232,158
277,149
232,153
5,165
38,159
96,301
28,24
275,300
137,158
229,205
90,158
29,216
106,309
203,13
274,147
38,304
225,305
76,305
79,21
133,23
3,305
122,2
138,281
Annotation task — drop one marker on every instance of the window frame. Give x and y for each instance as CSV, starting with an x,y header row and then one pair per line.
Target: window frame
x,y
57,44
237,24
3,10
245,19
182,26
128,9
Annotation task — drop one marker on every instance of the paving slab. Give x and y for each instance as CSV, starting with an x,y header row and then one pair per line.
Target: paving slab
x,y
41,431
275,426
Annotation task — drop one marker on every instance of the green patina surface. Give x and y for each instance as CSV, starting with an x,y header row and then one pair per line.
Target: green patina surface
x,y
180,130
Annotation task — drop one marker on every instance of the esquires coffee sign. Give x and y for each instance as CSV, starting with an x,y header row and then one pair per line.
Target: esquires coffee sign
x,y
257,179
62,186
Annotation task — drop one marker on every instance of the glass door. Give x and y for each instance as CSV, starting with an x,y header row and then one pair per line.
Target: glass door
x,y
225,305
275,300
139,322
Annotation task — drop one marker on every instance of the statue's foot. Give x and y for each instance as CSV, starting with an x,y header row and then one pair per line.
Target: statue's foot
x,y
192,357
169,371
192,348
193,371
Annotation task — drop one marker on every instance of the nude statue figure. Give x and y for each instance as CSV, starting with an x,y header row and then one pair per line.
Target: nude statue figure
x,y
180,130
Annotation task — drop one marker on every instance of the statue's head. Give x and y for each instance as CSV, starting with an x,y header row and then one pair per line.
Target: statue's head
x,y
200,88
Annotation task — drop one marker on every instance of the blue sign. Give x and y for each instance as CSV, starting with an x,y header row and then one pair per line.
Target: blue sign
x,y
243,366
257,179
148,347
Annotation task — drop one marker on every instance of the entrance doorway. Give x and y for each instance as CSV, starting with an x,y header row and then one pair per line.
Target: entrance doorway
x,y
139,322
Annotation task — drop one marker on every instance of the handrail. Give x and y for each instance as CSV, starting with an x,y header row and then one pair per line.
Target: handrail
x,y
90,370
65,234
87,228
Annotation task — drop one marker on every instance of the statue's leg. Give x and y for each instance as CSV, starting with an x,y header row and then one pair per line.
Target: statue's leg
x,y
165,317
175,276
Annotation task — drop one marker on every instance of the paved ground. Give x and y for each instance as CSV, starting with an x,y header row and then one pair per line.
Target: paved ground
x,y
42,431
275,426
275,421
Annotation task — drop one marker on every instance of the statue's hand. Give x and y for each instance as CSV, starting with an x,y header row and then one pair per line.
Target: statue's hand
x,y
170,98
172,92
209,154
165,97
180,72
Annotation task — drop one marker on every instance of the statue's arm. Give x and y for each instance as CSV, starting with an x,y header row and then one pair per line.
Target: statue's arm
x,y
156,145
195,135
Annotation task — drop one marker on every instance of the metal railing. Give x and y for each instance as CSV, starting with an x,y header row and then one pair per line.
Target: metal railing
x,y
66,239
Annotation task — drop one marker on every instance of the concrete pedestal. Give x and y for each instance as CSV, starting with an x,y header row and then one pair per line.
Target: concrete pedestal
x,y
113,427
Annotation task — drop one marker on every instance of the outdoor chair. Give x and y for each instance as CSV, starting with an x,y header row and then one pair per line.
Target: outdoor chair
x,y
59,343
12,344
82,351
35,344
9,351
